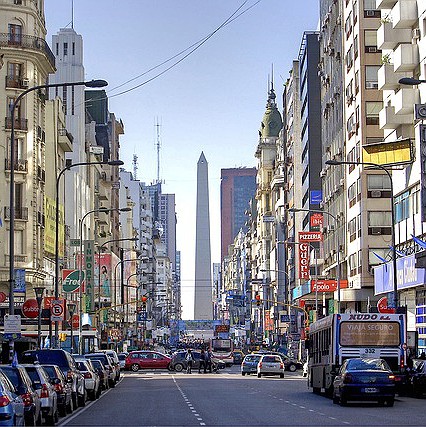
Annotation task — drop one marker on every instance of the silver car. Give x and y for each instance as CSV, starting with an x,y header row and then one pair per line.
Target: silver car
x,y
45,390
270,364
91,377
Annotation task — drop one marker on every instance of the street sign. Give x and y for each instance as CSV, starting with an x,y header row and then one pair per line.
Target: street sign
x,y
57,310
30,308
74,242
12,326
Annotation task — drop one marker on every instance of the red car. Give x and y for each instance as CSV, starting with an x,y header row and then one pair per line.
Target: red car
x,y
145,359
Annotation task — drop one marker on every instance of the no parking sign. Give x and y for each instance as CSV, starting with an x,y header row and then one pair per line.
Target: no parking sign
x,y
57,310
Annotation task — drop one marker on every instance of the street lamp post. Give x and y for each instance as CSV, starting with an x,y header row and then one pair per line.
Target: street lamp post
x,y
68,167
381,167
336,223
12,108
103,210
128,303
71,310
39,290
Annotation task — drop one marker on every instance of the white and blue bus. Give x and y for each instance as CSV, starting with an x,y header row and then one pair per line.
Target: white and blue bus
x,y
337,337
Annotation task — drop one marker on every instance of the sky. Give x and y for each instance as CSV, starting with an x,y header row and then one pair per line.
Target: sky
x,y
211,99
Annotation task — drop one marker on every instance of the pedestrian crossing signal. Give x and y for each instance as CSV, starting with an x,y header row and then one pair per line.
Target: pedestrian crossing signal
x,y
258,300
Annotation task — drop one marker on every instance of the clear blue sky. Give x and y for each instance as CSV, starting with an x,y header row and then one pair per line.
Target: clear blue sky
x,y
212,101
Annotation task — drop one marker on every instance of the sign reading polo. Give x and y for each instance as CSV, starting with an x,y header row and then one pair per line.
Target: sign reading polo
x,y
30,308
70,280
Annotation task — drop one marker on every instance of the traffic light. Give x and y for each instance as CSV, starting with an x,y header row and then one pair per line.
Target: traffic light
x,y
257,299
144,299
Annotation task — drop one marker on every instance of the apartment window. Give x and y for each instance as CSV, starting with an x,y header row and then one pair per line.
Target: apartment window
x,y
353,264
350,58
356,82
373,140
349,92
14,70
378,186
355,11
373,259
18,149
352,192
18,109
359,225
73,48
65,49
57,49
72,99
19,242
64,100
371,80
370,41
350,125
352,228
402,206
370,9
372,112
15,34
356,46
348,25
379,223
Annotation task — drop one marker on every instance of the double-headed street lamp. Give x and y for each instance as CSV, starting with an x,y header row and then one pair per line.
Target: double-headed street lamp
x,y
336,226
381,167
102,210
68,167
39,291
12,108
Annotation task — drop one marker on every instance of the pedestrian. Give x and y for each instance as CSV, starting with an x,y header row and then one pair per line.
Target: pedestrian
x,y
202,361
189,359
208,361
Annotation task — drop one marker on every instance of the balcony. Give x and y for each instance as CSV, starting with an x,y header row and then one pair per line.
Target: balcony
x,y
405,57
385,4
389,37
389,120
20,213
387,78
20,124
16,82
28,42
65,140
404,14
404,100
20,165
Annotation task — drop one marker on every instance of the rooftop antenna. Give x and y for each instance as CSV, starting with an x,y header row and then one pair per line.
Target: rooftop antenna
x,y
135,167
158,144
72,14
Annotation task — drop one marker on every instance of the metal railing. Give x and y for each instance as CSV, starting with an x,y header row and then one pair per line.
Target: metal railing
x,y
20,124
20,165
27,42
20,213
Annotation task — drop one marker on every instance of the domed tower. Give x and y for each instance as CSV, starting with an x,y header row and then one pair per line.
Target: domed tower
x,y
272,122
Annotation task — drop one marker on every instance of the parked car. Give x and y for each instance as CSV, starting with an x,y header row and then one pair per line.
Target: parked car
x,y
146,359
116,362
122,359
12,409
249,364
417,378
178,362
22,382
49,399
107,362
102,372
364,379
62,387
91,378
66,363
270,364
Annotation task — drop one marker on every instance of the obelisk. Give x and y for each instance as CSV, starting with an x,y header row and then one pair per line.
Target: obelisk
x,y
203,307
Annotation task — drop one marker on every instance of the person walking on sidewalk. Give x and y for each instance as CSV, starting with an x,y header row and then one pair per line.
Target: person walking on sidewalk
x,y
189,360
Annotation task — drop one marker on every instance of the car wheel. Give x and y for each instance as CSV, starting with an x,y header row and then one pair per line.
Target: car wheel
x,y
292,367
259,375
135,367
243,373
178,367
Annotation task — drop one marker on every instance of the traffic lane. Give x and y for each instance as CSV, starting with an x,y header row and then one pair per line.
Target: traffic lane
x,y
229,399
141,399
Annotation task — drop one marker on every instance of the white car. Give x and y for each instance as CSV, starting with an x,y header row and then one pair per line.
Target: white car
x,y
270,364
91,377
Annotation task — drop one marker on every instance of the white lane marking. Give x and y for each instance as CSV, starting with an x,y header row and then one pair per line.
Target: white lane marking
x,y
190,405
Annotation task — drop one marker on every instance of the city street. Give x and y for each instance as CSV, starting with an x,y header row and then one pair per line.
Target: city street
x,y
227,398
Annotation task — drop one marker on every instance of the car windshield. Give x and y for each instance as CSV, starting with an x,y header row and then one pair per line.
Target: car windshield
x,y
366,364
12,374
252,358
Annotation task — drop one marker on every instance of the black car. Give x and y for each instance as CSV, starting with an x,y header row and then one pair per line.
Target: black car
x,y
32,405
67,365
178,362
364,379
108,363
62,387
102,372
417,378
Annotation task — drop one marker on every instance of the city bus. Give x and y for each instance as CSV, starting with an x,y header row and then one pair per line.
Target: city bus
x,y
222,348
337,337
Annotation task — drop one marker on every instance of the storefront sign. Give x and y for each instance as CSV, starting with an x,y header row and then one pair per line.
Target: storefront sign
x,y
304,261
327,285
89,263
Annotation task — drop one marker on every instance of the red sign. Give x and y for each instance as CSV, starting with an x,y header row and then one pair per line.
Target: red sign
x,y
2,297
30,308
382,306
75,321
303,261
327,285
310,236
316,220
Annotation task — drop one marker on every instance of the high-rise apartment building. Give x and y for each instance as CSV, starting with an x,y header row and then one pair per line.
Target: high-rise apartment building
x,y
237,188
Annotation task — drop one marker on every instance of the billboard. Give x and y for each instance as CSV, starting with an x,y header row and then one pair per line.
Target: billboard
x,y
388,153
50,227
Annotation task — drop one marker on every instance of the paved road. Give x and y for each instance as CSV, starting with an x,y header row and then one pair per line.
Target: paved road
x,y
225,399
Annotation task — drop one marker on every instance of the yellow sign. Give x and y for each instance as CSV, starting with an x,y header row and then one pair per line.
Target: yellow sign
x,y
50,227
389,153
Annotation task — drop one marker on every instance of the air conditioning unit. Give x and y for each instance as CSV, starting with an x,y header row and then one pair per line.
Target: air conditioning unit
x,y
371,85
420,111
370,12
416,33
376,194
25,83
372,49
17,1
375,231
